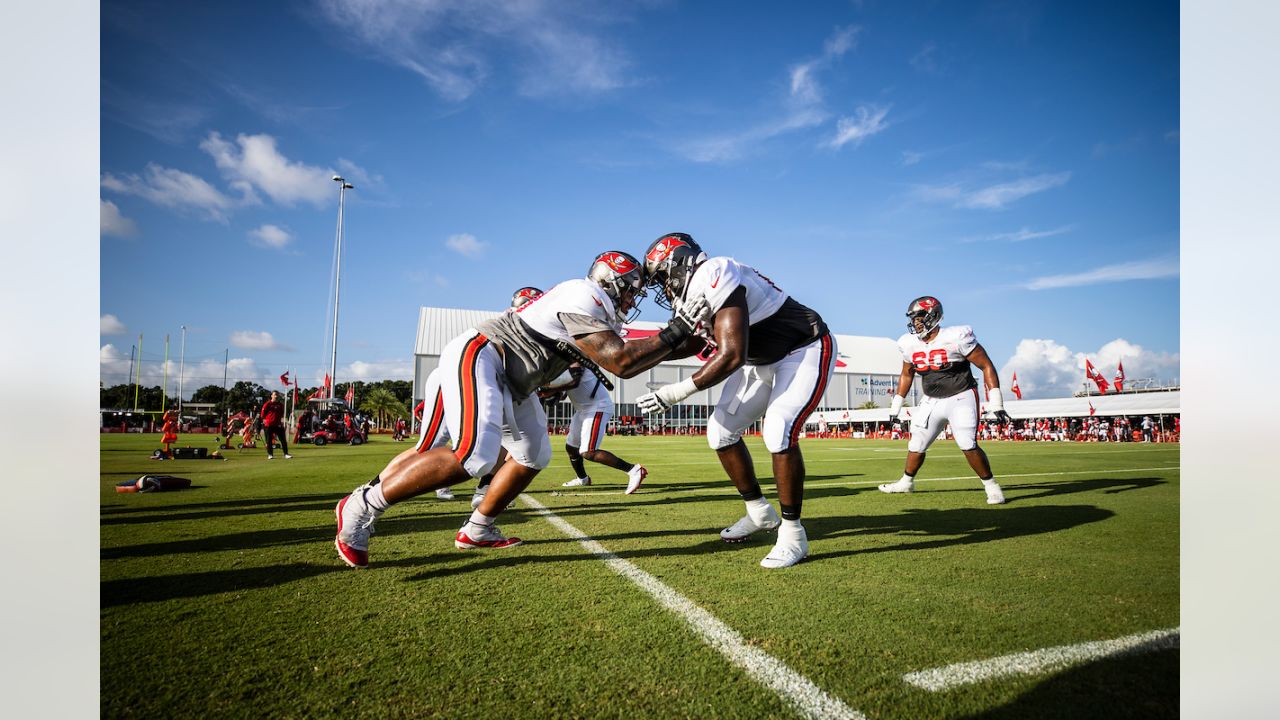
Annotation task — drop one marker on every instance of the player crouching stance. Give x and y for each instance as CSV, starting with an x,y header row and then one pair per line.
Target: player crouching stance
x,y
488,379
775,358
942,356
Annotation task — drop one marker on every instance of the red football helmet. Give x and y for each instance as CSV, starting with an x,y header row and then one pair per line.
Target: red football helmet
x,y
524,296
668,264
622,278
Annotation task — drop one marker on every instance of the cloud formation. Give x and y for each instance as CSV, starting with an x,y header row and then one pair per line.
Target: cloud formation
x,y
867,121
111,222
992,197
1137,270
466,244
250,340
454,45
174,189
1047,369
252,163
111,325
271,236
114,369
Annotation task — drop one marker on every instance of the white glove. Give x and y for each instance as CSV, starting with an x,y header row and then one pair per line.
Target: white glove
x,y
693,314
664,397
995,405
895,407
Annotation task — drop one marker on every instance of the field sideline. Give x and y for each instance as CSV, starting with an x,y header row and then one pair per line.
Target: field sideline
x,y
227,600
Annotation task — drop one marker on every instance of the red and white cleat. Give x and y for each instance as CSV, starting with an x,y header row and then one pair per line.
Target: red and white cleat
x,y
636,476
473,536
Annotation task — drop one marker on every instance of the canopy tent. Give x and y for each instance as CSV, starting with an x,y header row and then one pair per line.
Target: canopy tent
x,y
1165,402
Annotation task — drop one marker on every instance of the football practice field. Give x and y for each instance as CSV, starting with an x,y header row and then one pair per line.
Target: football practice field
x,y
228,599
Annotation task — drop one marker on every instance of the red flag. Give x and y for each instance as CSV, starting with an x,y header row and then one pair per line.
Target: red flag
x,y
1119,381
328,384
1014,387
318,394
351,394
284,379
1095,376
1091,410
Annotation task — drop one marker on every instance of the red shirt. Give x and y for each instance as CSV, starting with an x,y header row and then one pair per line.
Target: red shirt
x,y
272,413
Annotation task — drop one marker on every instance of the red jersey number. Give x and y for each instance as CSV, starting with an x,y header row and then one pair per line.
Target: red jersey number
x,y
935,360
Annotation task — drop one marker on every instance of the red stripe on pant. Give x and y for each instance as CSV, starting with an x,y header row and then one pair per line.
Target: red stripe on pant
x,y
432,432
468,432
824,372
595,432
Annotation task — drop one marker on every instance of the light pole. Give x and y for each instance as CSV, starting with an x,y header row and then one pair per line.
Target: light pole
x,y
182,366
343,187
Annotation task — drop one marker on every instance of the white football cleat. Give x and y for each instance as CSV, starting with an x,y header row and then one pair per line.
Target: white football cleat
x,y
904,485
791,548
355,525
635,476
478,496
744,528
444,493
473,536
578,482
995,496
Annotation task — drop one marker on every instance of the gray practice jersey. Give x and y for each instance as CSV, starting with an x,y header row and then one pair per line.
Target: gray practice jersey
x,y
573,308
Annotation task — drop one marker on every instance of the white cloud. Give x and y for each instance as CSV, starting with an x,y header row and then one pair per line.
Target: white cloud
x,y
466,244
1047,369
804,87
114,369
250,340
924,61
111,325
723,148
867,121
172,188
997,197
271,236
357,175
1024,234
452,44
374,371
910,157
254,163
1138,270
111,222
841,41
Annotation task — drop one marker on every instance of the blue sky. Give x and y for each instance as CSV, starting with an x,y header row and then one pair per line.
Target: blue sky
x,y
1020,161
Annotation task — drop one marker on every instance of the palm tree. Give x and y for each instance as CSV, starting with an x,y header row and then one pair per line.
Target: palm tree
x,y
868,405
384,406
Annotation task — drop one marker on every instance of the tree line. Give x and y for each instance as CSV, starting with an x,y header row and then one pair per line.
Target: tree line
x,y
385,399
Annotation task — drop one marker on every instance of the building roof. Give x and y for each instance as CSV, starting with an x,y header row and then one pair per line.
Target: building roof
x,y
858,354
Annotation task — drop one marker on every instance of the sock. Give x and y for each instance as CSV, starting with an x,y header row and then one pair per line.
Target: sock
x,y
575,460
908,478
758,511
484,481
478,518
376,479
790,528
790,513
374,498
989,481
752,496
627,467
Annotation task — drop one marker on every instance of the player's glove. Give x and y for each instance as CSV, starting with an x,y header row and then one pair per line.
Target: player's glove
x,y
686,317
663,398
895,407
995,406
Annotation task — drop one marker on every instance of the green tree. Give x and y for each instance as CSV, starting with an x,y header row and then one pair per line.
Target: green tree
x,y
384,406
245,395
868,405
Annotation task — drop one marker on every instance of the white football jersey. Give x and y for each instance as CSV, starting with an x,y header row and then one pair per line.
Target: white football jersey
x,y
941,363
580,297
716,278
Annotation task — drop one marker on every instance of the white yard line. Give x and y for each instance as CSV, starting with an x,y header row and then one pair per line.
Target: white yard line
x,y
1039,661
796,690
730,490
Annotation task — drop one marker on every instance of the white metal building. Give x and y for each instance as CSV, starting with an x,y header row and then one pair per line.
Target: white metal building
x,y
867,369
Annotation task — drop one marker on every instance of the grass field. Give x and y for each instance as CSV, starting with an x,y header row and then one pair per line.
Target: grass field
x,y
228,600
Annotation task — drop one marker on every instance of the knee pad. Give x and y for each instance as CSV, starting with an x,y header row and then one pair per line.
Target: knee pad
x,y
719,438
533,453
776,438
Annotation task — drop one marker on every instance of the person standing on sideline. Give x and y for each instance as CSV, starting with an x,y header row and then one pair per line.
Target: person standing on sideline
x,y
273,425
943,357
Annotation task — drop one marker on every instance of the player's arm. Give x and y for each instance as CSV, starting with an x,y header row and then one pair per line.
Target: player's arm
x,y
995,398
730,328
628,359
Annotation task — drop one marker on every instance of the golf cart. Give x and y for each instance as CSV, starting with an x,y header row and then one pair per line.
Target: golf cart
x,y
324,421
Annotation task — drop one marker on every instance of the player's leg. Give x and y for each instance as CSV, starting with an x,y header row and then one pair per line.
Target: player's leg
x,y
799,384
963,416
524,435
472,401
572,442
482,488
926,424
593,436
743,398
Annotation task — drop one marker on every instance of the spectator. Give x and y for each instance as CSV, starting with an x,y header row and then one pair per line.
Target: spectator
x,y
1146,428
272,419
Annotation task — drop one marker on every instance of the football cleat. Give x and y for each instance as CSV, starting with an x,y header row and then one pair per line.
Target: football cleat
x,y
902,486
578,482
473,536
791,548
444,493
355,525
995,496
745,527
478,496
636,476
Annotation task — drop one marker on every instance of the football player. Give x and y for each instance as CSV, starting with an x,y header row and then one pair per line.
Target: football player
x,y
488,379
775,358
943,356
592,409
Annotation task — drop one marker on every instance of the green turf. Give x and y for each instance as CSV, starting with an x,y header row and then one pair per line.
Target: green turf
x,y
227,600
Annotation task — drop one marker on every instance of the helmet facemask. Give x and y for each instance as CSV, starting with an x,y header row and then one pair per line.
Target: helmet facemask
x,y
924,315
669,263
622,279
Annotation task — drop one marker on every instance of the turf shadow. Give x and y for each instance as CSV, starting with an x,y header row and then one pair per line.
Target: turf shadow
x,y
961,526
133,591
1134,687
246,502
1015,492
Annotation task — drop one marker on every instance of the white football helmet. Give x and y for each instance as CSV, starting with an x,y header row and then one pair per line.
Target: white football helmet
x,y
622,278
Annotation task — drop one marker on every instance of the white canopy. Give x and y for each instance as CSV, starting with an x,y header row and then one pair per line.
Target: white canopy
x,y
1165,402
